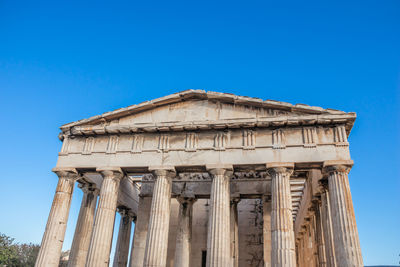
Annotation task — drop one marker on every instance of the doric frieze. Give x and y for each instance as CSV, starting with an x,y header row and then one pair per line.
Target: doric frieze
x,y
310,137
340,136
246,139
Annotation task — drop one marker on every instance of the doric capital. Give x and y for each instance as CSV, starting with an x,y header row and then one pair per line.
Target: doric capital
x,y
323,183
69,173
111,172
316,206
186,200
88,188
274,168
220,169
303,229
235,200
331,166
126,213
148,177
316,200
123,211
163,171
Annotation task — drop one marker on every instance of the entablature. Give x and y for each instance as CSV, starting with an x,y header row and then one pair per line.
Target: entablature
x,y
309,137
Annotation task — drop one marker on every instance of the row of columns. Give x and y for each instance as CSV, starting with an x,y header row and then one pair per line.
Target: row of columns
x,y
94,249
331,237
222,236
91,245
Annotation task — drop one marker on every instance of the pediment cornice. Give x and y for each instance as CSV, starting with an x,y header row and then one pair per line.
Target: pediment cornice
x,y
274,122
299,114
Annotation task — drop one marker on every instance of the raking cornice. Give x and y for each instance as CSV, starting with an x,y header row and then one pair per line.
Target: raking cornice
x,y
312,115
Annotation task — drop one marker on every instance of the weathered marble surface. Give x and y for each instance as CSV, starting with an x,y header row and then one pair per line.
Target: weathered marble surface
x,y
84,227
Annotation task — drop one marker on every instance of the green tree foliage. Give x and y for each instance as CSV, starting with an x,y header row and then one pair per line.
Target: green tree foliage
x,y
8,251
17,255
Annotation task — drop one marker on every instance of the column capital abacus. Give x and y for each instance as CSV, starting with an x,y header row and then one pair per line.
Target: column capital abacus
x,y
182,199
280,167
235,199
323,184
131,215
342,166
111,172
311,210
123,211
69,173
88,187
163,171
316,201
220,169
303,230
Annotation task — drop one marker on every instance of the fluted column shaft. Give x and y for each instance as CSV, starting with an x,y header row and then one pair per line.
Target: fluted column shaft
x,y
124,235
234,232
218,238
300,250
53,238
267,230
320,235
347,244
313,241
327,226
140,234
157,234
84,227
100,244
283,251
184,233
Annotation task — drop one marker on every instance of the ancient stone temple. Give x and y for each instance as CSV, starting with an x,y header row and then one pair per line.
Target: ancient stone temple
x,y
208,179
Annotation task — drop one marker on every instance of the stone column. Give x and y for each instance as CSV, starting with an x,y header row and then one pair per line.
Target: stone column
x,y
84,227
313,241
124,235
327,225
267,230
218,237
184,233
234,232
283,244
300,249
100,244
305,246
157,234
139,236
319,234
53,238
308,245
347,244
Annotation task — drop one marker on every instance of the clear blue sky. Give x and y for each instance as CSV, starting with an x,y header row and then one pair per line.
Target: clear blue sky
x,y
62,61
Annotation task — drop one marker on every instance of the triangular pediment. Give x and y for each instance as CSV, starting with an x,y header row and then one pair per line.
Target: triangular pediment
x,y
197,107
